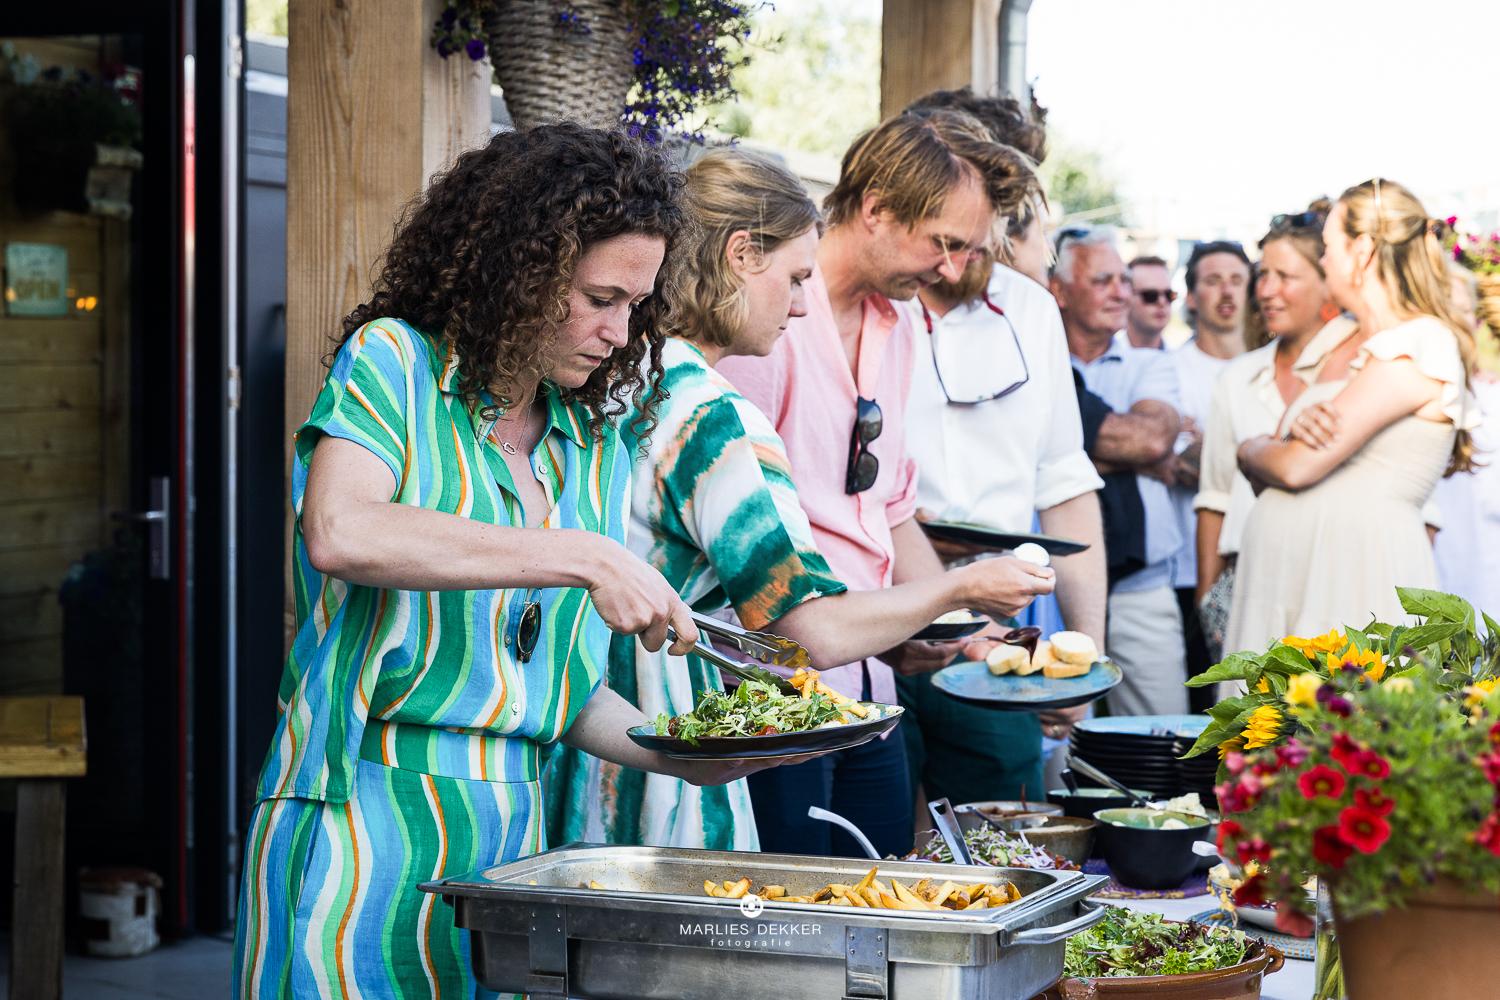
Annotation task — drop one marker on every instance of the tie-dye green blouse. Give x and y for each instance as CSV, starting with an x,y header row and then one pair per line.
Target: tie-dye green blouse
x,y
714,509
428,681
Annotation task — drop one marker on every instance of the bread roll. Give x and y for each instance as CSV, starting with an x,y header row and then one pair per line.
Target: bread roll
x,y
1075,648
1066,670
1042,658
1003,659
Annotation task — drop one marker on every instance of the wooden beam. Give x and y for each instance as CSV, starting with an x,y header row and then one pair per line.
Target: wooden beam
x,y
42,737
372,113
36,943
928,45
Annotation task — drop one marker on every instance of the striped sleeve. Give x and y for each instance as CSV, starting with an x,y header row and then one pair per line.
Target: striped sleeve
x,y
365,396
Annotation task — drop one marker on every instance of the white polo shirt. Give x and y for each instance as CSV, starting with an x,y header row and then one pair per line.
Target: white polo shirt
x,y
997,462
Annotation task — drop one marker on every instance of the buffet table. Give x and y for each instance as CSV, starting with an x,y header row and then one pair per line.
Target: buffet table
x,y
1293,982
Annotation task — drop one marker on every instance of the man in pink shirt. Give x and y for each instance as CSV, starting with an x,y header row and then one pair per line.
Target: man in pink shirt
x,y
916,200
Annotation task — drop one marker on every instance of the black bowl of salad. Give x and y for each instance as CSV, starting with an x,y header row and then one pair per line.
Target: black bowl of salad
x,y
1143,955
757,720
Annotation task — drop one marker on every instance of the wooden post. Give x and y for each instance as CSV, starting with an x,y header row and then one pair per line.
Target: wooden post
x,y
372,113
928,45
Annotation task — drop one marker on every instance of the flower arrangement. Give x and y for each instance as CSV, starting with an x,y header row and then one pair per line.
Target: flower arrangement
x,y
1479,255
1387,788
684,52
1295,672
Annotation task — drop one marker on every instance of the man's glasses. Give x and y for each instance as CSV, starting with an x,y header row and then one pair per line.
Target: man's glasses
x,y
942,384
1302,220
526,627
863,465
1151,296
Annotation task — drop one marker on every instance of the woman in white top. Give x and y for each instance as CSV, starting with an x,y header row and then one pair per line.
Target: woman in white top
x,y
1253,391
1339,525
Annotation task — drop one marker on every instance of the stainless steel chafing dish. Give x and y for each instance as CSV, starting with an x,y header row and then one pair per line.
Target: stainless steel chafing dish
x,y
538,929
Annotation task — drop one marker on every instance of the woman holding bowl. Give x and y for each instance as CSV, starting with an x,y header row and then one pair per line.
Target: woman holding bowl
x,y
461,492
716,511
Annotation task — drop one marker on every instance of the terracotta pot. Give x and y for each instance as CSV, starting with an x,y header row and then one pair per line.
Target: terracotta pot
x,y
1239,982
1442,945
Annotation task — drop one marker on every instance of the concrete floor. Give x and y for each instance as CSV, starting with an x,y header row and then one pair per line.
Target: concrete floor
x,y
192,969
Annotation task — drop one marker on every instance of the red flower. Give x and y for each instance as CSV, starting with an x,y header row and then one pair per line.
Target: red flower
x,y
1329,846
1374,800
1321,780
1345,749
1489,763
1228,828
1291,754
1252,891
1233,797
1363,830
1370,764
1488,835
1255,848
1495,736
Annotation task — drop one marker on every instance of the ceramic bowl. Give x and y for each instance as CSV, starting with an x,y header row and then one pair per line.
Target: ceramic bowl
x,y
1005,815
1142,855
1241,981
1087,801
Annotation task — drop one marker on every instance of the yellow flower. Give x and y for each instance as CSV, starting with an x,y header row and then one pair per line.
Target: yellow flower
x,y
1479,691
1402,685
1302,689
1264,727
1329,643
1359,658
1230,746
1263,687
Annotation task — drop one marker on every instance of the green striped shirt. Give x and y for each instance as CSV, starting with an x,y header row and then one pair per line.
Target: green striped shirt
x,y
436,669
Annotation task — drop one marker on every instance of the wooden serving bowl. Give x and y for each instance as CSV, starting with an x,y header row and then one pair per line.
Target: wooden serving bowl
x,y
1241,982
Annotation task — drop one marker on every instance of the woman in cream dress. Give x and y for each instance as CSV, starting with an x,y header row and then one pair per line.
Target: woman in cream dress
x,y
1338,524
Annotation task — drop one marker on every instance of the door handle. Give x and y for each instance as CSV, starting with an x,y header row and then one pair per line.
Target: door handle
x,y
158,521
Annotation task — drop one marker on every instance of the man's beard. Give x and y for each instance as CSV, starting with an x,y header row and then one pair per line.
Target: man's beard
x,y
969,286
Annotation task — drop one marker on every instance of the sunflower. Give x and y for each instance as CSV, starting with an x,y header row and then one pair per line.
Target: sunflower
x,y
1230,746
1330,643
1355,658
1264,727
1302,689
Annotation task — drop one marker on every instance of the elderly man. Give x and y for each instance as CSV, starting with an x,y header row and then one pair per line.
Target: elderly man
x,y
915,201
993,423
1135,440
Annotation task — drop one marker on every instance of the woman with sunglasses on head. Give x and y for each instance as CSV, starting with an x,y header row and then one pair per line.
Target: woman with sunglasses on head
x,y
1338,522
716,511
462,493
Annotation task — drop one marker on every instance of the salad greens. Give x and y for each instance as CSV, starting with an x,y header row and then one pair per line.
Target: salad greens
x,y
752,709
1143,944
988,846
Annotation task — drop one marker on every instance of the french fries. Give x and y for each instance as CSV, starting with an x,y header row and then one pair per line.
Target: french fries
x,y
806,681
873,893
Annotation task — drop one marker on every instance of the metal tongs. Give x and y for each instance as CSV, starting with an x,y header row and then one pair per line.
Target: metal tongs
x,y
762,646
1091,772
949,830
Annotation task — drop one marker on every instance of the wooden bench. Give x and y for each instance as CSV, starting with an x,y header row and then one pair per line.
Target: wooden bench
x,y
41,743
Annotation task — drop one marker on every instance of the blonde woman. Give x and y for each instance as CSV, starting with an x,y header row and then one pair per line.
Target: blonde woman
x,y
716,512
1339,523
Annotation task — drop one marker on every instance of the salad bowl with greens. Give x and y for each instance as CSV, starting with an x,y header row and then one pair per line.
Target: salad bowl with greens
x,y
757,720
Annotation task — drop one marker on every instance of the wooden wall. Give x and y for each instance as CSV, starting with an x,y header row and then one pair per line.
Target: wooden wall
x,y
931,45
372,113
64,431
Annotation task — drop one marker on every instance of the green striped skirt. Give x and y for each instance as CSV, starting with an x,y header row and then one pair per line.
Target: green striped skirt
x,y
329,905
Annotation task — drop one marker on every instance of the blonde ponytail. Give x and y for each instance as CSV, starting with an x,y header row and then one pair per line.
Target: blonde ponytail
x,y
1412,267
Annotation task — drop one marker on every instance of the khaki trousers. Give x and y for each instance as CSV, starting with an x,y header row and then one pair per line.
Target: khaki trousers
x,y
1144,637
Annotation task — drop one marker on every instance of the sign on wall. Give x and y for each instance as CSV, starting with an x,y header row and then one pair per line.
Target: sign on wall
x,y
36,279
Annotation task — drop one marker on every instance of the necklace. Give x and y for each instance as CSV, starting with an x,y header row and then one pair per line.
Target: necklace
x,y
506,446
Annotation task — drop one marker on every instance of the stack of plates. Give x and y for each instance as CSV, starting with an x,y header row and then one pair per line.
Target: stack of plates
x,y
1142,751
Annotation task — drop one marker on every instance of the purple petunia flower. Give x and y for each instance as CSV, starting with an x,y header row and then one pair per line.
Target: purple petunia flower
x,y
475,49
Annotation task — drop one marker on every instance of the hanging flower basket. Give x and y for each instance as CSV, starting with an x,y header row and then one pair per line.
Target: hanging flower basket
x,y
558,62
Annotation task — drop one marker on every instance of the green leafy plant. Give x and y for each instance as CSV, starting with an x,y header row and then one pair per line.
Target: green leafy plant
x,y
1447,640
1386,788
1143,944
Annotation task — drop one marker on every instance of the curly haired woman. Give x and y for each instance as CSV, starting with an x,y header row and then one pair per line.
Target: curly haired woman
x,y
462,495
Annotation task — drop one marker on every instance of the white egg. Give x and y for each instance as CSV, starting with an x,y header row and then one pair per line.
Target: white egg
x,y
1033,553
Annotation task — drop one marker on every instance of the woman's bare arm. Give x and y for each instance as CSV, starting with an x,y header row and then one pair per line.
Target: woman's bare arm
x,y
1381,394
354,532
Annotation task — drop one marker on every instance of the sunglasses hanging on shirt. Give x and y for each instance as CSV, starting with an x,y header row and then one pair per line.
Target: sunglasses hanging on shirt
x,y
863,467
983,397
